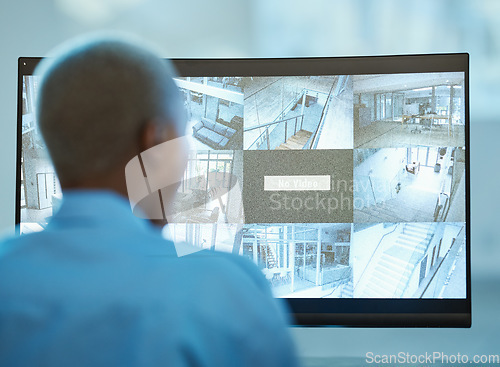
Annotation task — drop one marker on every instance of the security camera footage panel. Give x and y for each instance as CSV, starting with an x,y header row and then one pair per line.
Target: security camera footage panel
x,y
334,186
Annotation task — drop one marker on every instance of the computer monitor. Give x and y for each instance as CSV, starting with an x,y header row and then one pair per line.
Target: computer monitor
x,y
353,174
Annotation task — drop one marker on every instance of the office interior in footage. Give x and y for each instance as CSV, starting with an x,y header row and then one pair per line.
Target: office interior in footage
x,y
348,186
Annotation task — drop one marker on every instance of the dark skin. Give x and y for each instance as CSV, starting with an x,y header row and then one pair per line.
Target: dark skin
x,y
114,180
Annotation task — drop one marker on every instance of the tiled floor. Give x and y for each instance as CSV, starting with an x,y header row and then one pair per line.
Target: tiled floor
x,y
415,202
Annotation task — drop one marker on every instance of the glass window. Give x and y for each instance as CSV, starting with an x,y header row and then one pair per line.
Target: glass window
x,y
398,101
388,106
457,109
443,101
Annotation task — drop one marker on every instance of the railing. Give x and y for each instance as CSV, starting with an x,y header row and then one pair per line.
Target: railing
x,y
441,209
340,86
373,254
277,120
344,279
441,262
373,191
46,188
263,138
271,258
28,123
313,141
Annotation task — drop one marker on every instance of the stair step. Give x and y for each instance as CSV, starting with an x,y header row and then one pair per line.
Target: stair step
x,y
394,261
392,211
348,290
380,291
384,280
389,213
392,273
411,247
388,291
398,255
395,282
397,270
422,226
411,240
417,228
415,236
415,233
400,252
297,141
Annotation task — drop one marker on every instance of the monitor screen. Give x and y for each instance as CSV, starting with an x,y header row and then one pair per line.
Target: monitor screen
x,y
345,180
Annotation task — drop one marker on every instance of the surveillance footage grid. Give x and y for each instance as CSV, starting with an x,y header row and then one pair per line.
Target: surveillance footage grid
x,y
349,186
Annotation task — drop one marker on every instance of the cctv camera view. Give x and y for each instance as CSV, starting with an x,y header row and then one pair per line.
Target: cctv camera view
x,y
298,113
211,189
414,184
343,186
40,190
396,110
215,111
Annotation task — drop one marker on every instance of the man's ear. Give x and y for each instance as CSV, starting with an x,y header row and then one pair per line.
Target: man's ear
x,y
147,138
154,133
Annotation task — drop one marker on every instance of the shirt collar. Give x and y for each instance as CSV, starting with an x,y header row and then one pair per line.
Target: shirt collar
x,y
99,206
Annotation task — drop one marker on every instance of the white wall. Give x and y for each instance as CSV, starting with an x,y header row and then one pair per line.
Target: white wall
x,y
376,177
363,246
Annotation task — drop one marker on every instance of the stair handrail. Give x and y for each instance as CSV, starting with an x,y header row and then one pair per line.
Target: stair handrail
x,y
339,88
313,143
269,124
440,263
419,259
342,281
440,208
287,108
373,254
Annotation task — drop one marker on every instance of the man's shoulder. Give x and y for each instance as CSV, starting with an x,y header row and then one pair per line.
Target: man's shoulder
x,y
152,259
231,288
10,245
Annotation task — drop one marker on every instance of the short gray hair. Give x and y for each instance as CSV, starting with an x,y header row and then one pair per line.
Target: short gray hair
x,y
94,98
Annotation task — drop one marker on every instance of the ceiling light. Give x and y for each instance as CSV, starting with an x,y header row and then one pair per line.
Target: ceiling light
x,y
422,89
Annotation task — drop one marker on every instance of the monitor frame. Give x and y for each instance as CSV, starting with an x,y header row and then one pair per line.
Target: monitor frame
x,y
355,312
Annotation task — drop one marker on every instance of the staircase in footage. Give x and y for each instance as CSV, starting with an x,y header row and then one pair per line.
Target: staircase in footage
x,y
393,211
347,290
389,277
297,141
270,256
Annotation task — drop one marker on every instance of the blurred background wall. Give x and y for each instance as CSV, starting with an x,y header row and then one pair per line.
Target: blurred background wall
x,y
279,28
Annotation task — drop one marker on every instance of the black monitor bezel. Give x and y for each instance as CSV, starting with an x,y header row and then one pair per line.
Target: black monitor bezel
x,y
368,312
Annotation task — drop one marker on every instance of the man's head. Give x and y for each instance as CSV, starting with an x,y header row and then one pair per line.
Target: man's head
x,y
102,101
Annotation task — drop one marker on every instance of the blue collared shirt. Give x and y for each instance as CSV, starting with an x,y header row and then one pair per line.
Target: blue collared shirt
x,y
100,287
